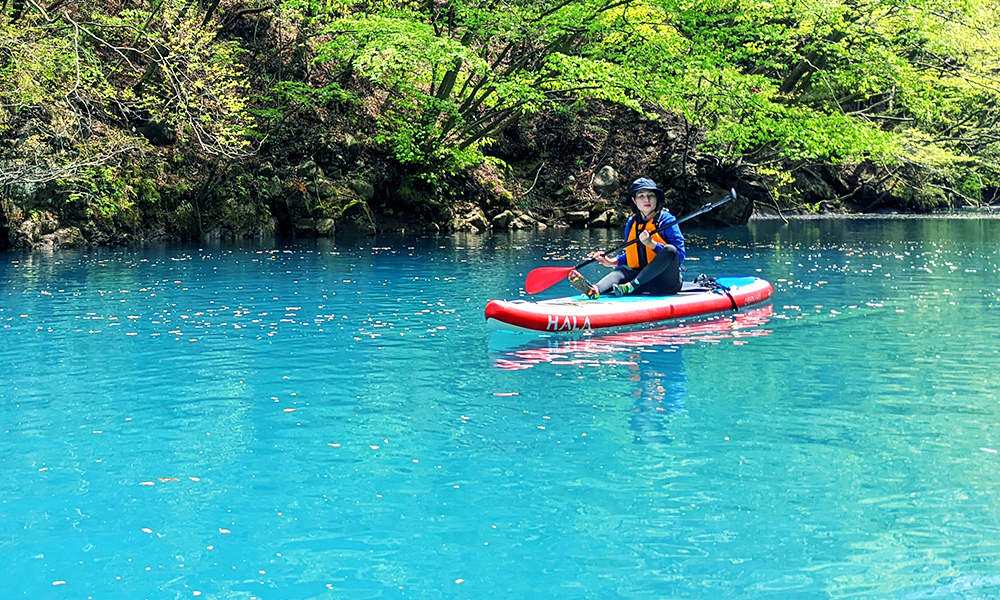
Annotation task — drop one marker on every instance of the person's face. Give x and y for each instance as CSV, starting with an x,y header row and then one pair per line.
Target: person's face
x,y
645,201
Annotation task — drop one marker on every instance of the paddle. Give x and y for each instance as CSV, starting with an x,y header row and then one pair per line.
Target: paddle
x,y
543,278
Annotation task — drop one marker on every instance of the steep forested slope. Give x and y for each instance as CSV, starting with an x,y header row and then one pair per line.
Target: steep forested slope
x,y
142,119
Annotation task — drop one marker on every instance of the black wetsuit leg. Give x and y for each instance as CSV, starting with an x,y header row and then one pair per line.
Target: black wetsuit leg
x,y
662,276
619,275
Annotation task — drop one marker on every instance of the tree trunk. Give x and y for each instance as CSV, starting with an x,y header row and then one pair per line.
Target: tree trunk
x,y
449,79
209,12
18,7
812,61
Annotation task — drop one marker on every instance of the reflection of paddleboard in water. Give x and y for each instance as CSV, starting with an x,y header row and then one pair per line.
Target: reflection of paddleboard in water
x,y
514,351
579,313
652,357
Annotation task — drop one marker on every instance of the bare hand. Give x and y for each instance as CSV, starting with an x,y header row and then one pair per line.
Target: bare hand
x,y
604,260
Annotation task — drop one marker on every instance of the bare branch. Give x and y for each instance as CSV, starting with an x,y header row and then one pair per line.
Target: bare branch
x,y
36,173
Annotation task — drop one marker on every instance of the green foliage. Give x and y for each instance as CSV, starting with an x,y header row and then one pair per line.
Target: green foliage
x,y
452,78
911,87
179,74
114,195
65,78
295,94
840,80
780,181
79,87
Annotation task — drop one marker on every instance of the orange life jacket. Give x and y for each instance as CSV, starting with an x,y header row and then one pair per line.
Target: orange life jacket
x,y
638,255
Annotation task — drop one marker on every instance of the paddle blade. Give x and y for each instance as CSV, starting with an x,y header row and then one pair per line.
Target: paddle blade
x,y
543,278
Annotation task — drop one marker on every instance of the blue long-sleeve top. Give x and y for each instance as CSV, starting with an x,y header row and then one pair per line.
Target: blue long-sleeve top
x,y
671,234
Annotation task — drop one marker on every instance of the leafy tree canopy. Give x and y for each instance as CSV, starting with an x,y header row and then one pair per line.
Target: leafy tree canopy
x,y
779,84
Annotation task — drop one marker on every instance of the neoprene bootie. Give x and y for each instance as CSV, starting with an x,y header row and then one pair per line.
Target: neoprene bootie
x,y
580,282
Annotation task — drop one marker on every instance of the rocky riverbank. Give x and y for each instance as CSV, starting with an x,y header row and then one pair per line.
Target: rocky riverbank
x,y
317,178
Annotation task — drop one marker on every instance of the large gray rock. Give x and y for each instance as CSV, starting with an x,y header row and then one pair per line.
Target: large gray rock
x,y
308,170
516,219
326,227
606,182
363,189
473,220
66,237
502,220
324,188
31,230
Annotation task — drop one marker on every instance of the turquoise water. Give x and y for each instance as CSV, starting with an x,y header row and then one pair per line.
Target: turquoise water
x,y
335,420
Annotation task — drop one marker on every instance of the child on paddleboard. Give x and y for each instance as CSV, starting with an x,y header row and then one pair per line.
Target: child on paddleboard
x,y
653,264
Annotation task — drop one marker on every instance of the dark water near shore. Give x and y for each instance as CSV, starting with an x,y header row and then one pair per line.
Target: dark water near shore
x,y
334,420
